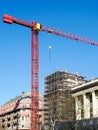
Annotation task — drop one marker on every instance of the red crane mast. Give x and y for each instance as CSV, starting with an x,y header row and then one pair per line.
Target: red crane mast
x,y
35,28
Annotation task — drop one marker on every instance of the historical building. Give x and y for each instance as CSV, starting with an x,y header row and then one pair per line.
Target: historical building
x,y
86,99
86,104
58,86
15,114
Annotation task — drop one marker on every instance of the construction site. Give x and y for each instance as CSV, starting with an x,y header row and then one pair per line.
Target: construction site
x,y
30,111
58,88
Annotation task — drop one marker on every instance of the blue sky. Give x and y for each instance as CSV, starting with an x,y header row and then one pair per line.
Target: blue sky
x,y
78,17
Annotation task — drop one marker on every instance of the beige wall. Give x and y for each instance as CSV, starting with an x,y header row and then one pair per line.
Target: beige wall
x,y
87,107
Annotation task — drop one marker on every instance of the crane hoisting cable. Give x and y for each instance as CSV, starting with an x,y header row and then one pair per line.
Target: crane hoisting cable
x,y
49,47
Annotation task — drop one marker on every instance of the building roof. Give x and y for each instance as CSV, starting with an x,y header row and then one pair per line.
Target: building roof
x,y
65,72
87,85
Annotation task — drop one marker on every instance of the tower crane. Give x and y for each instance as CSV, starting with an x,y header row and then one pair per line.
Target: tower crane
x,y
35,29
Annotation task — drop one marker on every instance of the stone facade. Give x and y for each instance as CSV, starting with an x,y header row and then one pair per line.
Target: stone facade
x,y
86,100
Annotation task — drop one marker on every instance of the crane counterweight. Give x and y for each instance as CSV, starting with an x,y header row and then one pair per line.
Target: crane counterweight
x,y
7,19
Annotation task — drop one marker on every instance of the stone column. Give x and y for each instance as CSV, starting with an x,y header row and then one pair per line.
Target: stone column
x,y
94,103
76,107
85,106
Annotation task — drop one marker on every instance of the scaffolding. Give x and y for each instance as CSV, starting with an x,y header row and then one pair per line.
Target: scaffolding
x,y
58,87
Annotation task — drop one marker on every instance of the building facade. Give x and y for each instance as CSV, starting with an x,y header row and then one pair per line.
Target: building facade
x,y
58,86
86,100
15,114
86,105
